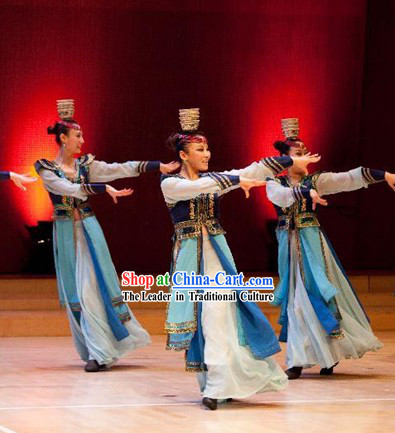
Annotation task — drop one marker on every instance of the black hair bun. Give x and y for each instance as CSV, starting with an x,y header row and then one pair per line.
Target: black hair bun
x,y
172,141
51,130
282,147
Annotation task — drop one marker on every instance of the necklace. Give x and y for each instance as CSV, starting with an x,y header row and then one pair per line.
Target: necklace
x,y
70,175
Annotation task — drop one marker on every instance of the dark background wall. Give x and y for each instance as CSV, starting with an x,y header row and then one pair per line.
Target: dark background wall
x,y
376,207
246,64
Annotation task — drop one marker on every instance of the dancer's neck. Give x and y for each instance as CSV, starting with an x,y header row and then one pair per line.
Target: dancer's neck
x,y
188,172
296,177
64,158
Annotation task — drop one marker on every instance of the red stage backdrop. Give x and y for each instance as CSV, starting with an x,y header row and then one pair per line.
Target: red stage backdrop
x,y
130,66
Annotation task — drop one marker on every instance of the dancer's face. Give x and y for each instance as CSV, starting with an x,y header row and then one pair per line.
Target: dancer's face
x,y
73,141
196,155
298,151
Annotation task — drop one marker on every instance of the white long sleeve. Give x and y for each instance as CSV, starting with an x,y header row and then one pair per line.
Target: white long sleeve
x,y
100,171
332,183
255,171
261,170
325,184
61,186
176,189
278,194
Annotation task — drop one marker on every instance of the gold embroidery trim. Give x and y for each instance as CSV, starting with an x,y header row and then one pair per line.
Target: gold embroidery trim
x,y
180,327
300,257
211,205
88,159
192,209
300,223
310,216
213,227
268,164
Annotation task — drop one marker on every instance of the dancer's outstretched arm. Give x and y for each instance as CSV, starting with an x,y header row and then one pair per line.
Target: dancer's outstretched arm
x,y
272,166
101,171
332,183
327,183
60,186
176,189
284,196
20,180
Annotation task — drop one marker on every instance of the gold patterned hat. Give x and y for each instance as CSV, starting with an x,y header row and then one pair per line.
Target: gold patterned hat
x,y
290,127
66,113
189,119
65,108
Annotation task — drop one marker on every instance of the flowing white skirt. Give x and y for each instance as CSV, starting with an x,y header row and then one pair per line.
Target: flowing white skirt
x,y
308,344
93,336
232,370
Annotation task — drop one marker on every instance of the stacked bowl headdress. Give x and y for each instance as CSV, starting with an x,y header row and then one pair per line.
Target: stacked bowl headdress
x,y
290,127
189,119
189,122
66,112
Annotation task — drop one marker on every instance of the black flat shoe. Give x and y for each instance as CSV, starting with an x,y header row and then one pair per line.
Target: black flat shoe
x,y
210,403
92,366
327,371
293,372
229,400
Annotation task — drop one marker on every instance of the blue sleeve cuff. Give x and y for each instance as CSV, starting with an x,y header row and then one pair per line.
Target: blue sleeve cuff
x,y
300,193
145,166
373,176
4,175
284,161
93,188
224,180
277,164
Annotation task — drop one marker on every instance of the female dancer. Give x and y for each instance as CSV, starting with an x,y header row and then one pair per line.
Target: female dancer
x,y
19,179
103,327
230,344
321,316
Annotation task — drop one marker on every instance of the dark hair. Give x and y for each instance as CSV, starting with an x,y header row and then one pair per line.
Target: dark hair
x,y
284,146
178,141
58,129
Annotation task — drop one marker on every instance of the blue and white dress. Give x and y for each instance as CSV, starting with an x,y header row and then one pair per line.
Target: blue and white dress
x,y
322,319
229,344
103,326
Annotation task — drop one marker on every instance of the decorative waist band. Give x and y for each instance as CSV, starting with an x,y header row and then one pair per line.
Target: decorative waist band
x,y
193,229
62,212
298,221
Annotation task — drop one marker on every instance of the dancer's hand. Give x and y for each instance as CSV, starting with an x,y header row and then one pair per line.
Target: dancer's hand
x,y
21,179
303,161
247,184
114,193
390,178
317,199
168,168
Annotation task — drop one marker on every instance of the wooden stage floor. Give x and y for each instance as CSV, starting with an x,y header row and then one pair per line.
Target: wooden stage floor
x,y
43,389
